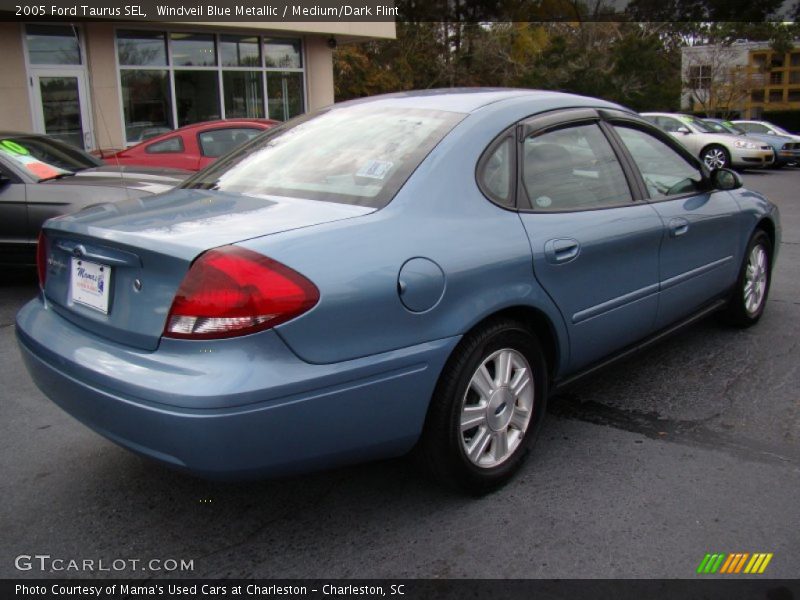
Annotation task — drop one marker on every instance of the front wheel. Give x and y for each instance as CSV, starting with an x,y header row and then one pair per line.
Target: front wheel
x,y
487,409
716,157
749,297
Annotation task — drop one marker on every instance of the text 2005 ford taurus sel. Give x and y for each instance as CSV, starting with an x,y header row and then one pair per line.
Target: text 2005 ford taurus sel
x,y
413,270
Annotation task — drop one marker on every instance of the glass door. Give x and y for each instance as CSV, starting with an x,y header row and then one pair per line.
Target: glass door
x,y
62,110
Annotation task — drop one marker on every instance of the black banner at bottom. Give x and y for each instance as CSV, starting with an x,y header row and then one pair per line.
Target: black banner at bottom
x,y
410,589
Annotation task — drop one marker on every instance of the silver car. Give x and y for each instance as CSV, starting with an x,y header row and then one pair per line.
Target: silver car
x,y
41,178
716,150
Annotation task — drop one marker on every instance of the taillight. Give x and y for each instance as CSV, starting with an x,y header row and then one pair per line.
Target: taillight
x,y
233,291
41,259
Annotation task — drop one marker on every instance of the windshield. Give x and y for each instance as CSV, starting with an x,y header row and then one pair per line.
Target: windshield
x,y
778,129
697,124
45,158
716,127
733,128
359,154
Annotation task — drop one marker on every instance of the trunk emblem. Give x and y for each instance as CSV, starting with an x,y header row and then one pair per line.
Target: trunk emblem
x,y
137,285
78,251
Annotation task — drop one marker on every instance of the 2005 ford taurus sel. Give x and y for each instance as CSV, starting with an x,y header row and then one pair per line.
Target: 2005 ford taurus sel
x,y
413,270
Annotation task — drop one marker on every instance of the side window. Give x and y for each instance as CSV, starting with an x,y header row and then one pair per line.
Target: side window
x,y
665,172
757,128
217,142
173,144
496,173
572,169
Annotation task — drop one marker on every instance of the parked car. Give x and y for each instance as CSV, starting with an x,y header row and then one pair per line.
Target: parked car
x,y
716,150
41,177
411,270
192,147
786,150
764,127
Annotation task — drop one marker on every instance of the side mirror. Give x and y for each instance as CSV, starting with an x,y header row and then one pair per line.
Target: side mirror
x,y
683,130
725,179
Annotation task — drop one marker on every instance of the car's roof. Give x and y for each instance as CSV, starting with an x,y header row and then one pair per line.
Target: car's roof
x,y
219,122
462,100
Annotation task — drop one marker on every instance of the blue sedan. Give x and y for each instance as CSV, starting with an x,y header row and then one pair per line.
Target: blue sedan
x,y
411,271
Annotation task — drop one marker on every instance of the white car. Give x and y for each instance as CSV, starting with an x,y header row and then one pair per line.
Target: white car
x,y
716,150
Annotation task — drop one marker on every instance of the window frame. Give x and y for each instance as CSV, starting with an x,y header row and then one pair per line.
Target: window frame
x,y
168,30
505,135
564,119
625,120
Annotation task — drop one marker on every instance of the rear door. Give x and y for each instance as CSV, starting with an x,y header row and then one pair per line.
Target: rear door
x,y
595,244
700,234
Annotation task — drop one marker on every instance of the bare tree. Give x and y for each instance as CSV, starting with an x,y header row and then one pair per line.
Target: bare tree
x,y
716,79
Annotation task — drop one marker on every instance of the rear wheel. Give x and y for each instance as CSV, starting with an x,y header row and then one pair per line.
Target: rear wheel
x,y
487,409
749,297
715,157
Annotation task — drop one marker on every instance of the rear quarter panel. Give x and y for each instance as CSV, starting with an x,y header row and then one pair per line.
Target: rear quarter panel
x,y
440,214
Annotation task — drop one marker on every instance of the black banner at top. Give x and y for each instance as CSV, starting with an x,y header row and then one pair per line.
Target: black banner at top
x,y
401,10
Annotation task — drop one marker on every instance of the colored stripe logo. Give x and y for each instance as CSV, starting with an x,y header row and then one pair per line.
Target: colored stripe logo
x,y
737,562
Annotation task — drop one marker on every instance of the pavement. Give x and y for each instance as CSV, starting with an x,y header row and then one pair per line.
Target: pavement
x,y
689,447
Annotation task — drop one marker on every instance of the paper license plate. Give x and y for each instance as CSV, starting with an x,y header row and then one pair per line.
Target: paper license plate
x,y
89,283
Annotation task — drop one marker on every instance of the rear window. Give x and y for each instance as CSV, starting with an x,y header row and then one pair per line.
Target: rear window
x,y
217,142
360,154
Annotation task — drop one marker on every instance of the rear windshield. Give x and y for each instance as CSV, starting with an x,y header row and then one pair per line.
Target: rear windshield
x,y
359,154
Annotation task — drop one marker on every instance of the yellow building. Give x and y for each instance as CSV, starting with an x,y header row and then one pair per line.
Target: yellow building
x,y
107,85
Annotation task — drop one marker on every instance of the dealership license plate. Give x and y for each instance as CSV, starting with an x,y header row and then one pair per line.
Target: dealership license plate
x,y
89,283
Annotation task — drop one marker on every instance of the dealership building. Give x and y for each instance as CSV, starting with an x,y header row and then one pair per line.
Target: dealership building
x,y
107,85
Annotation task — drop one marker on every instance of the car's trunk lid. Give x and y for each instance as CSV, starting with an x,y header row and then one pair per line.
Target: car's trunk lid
x,y
146,246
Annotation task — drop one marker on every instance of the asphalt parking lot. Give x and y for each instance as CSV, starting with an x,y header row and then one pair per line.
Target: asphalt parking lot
x,y
690,447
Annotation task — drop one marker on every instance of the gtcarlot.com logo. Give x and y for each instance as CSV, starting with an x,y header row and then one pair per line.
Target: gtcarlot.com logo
x,y
735,563
48,563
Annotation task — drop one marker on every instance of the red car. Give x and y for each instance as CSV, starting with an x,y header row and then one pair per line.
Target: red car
x,y
191,147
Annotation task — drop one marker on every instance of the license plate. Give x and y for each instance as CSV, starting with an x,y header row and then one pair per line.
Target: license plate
x,y
89,283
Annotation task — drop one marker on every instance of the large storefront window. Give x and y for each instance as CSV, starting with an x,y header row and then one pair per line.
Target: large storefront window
x,y
196,96
172,79
146,103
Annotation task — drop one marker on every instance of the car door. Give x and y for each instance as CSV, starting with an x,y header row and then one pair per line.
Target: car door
x,y
595,245
17,244
697,252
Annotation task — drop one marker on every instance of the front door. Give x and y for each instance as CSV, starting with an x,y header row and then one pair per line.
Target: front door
x,y
62,108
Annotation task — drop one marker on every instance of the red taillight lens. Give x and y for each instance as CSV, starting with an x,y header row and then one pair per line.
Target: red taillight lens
x,y
232,291
41,259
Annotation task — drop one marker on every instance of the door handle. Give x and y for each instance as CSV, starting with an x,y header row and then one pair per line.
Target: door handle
x,y
562,251
678,226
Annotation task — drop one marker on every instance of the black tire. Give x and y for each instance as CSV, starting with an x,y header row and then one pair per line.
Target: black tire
x,y
715,157
442,444
739,312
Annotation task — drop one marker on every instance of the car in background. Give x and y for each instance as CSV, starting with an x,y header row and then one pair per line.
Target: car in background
x,y
41,177
310,300
192,147
716,150
786,149
753,126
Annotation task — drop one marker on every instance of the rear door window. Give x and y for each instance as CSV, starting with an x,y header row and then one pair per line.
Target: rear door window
x,y
572,169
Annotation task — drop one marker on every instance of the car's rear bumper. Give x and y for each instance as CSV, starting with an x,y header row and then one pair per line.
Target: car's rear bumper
x,y
233,408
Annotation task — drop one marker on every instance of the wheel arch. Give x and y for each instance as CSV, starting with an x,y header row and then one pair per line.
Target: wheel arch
x,y
539,324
